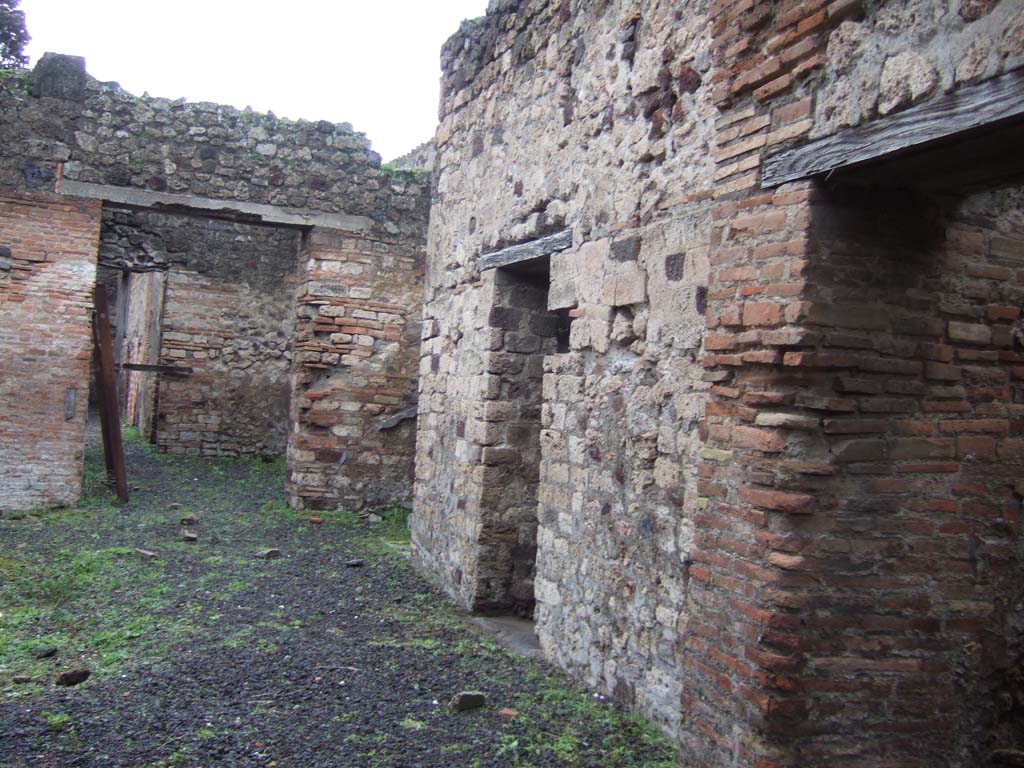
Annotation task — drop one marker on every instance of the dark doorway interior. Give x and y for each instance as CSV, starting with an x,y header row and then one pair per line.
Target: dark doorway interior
x,y
512,449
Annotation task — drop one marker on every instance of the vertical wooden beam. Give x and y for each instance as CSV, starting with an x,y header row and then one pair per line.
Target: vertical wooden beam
x,y
106,390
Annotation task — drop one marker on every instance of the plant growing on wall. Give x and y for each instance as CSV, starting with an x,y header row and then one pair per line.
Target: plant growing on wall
x,y
13,35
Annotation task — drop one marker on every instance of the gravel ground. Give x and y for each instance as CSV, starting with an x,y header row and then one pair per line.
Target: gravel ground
x,y
335,653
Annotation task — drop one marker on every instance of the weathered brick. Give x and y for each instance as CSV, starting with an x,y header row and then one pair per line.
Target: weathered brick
x,y
779,501
923,448
757,440
855,426
859,450
971,333
787,421
762,313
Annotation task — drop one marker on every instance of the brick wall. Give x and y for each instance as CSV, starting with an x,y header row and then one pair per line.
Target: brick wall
x,y
229,314
45,346
358,327
819,629
230,305
807,552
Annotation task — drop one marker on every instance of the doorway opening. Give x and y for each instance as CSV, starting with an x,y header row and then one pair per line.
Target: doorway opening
x,y
511,434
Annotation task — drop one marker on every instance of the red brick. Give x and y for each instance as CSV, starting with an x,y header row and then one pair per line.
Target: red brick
x,y
975,447
997,426
989,271
779,501
715,342
757,440
762,313
1002,313
768,398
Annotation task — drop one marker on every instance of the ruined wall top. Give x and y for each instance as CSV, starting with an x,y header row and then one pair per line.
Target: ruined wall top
x,y
883,57
97,132
420,158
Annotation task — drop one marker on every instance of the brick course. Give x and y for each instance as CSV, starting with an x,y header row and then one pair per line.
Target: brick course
x,y
45,346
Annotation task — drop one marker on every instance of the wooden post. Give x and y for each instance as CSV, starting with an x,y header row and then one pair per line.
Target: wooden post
x,y
106,390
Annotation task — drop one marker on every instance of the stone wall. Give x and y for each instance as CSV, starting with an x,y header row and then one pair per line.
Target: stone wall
x,y
421,158
102,134
554,120
47,274
778,506
232,285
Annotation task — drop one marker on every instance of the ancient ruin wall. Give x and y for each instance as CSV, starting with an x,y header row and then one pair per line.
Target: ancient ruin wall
x,y
354,400
914,586
47,274
594,118
228,314
102,134
795,624
772,625
70,128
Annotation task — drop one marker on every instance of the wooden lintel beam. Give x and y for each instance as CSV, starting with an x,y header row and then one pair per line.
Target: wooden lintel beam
x,y
176,370
994,102
230,210
535,249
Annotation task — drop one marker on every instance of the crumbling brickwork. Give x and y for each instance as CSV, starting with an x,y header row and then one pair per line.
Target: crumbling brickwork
x,y
778,496
230,320
46,286
803,614
228,313
220,201
354,401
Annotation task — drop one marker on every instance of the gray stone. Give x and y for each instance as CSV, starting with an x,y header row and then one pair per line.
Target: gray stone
x,y
269,554
72,677
466,700
44,651
59,76
906,78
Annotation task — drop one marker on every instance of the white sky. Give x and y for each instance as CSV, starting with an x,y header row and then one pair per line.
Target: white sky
x,y
374,64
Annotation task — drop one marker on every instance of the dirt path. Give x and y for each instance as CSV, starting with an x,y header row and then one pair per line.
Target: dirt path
x,y
334,654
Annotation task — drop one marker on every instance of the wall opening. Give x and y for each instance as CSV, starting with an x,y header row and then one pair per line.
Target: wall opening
x,y
525,332
204,314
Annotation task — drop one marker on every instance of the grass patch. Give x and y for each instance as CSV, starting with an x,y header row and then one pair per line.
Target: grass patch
x,y
57,722
82,588
559,722
394,525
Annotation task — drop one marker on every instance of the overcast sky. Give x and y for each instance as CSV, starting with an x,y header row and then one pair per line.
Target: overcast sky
x,y
373,64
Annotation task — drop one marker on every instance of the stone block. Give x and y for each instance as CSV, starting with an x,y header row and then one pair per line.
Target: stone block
x,y
624,289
